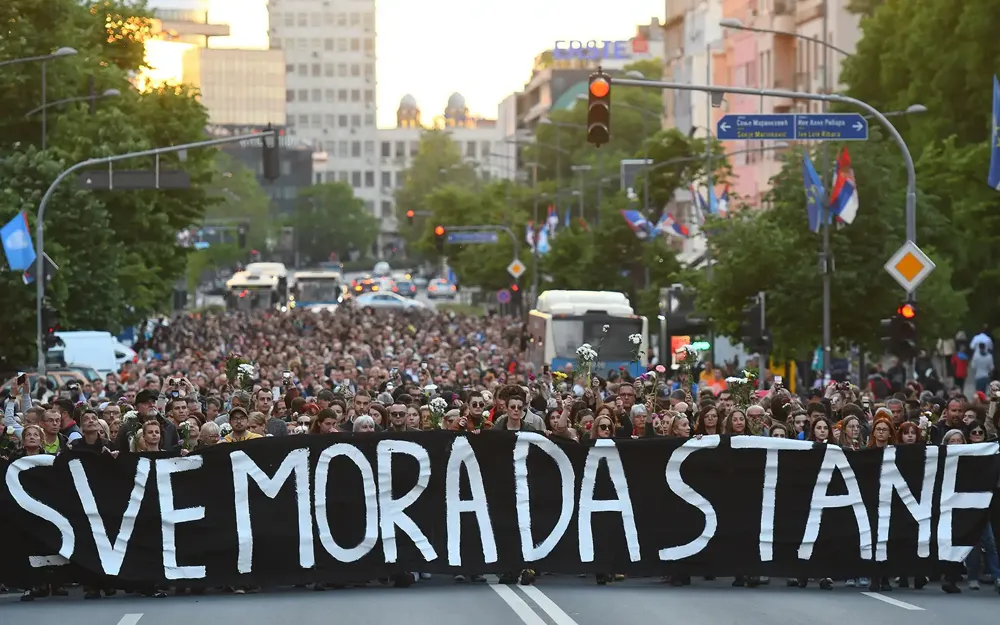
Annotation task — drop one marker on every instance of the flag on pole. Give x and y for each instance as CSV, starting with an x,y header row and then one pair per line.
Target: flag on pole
x,y
639,224
529,235
844,197
815,193
543,242
668,226
724,202
994,175
17,245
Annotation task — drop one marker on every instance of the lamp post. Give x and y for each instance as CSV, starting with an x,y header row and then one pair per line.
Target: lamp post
x,y
826,256
109,93
61,52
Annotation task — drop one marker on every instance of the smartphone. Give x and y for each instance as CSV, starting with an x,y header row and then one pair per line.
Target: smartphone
x,y
546,369
777,380
275,393
286,376
22,377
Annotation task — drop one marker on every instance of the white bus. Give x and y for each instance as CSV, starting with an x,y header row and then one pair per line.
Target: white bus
x,y
319,290
562,321
251,290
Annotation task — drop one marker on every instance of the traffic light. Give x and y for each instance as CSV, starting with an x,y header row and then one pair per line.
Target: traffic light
x,y
899,333
50,325
241,237
753,331
515,296
270,157
599,109
409,216
439,235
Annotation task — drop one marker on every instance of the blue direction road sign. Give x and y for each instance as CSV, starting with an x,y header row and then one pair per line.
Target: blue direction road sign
x,y
503,296
472,236
812,126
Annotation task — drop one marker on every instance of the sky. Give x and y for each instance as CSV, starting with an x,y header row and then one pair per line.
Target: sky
x,y
481,48
432,48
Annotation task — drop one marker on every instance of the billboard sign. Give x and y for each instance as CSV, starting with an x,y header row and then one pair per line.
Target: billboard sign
x,y
596,50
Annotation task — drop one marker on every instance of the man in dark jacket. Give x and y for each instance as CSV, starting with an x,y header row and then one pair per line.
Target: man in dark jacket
x,y
145,406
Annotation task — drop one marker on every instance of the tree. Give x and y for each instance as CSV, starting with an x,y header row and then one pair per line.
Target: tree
x,y
894,68
774,251
438,162
117,251
328,218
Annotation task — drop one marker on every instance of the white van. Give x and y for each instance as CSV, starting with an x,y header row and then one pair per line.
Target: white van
x,y
99,350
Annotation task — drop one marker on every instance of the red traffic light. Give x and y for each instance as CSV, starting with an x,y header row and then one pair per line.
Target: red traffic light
x,y
515,288
410,213
907,311
439,231
599,87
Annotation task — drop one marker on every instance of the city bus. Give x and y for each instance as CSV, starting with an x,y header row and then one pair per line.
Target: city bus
x,y
251,290
316,290
562,321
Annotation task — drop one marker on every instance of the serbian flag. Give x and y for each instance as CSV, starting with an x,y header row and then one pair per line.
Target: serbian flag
x,y
724,202
639,224
529,235
553,220
670,227
844,196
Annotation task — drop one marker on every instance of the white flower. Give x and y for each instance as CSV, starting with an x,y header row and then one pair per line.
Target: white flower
x,y
245,371
747,374
438,405
635,339
605,328
486,414
690,349
586,353
735,380
225,430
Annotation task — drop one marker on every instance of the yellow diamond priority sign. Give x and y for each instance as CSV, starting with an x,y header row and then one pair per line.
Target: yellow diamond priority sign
x,y
516,268
909,266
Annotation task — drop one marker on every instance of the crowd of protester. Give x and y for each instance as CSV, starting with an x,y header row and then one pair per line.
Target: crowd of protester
x,y
360,371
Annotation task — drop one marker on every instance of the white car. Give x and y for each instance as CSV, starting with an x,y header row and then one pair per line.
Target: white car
x,y
386,300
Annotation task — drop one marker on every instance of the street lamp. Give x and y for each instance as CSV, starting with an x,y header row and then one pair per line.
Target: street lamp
x,y
108,93
64,51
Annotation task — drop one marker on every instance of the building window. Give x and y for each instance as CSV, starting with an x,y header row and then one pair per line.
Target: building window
x,y
316,95
328,44
355,19
289,69
355,95
317,70
355,45
355,149
369,70
317,43
341,45
386,149
342,121
291,121
369,119
400,149
289,43
369,96
303,69
342,70
303,95
414,148
369,45
343,149
355,121
370,206
342,95
484,151
341,19
289,19
387,180
330,95
331,120
331,176
369,149
328,70
386,209
304,121
328,19
303,19
369,179
315,20
369,20
356,179
470,149
317,177
317,120
289,95
355,70
343,176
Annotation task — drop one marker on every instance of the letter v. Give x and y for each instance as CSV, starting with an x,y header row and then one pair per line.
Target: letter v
x,y
112,556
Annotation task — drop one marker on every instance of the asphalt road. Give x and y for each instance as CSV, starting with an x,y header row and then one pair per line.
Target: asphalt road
x,y
554,600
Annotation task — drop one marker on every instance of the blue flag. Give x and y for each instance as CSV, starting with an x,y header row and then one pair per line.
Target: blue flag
x,y
994,177
17,243
815,193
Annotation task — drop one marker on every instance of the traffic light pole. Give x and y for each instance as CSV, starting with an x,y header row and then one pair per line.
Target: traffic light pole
x,y
104,160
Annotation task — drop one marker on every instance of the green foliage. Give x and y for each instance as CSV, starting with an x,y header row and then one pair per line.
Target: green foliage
x,y
328,218
774,251
895,67
678,160
116,250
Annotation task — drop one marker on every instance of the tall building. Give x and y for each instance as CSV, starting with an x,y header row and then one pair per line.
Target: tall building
x,y
479,141
329,50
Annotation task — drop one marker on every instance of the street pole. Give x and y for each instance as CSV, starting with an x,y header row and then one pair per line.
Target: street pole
x,y
709,182
825,257
534,248
44,115
104,160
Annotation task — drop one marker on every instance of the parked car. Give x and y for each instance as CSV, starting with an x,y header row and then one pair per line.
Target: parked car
x,y
387,301
439,287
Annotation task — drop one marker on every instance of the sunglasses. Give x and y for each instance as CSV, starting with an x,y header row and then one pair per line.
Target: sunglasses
x,y
604,427
977,433
514,406
478,404
304,421
397,414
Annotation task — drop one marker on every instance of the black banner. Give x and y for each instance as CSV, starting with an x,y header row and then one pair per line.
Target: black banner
x,y
355,507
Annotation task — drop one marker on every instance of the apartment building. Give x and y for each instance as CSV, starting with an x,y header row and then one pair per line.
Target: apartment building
x,y
329,51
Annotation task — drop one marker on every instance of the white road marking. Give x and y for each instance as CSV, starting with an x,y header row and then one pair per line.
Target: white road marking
x,y
130,619
516,603
895,602
557,614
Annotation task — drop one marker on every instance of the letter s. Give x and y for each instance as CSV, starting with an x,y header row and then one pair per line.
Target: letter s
x,y
32,506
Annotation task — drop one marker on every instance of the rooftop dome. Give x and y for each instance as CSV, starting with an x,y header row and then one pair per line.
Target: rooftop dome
x,y
408,102
456,101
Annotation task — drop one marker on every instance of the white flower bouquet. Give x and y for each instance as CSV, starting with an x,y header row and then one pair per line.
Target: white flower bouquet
x,y
438,407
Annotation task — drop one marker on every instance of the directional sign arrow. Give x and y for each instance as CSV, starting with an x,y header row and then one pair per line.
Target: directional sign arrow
x,y
725,127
